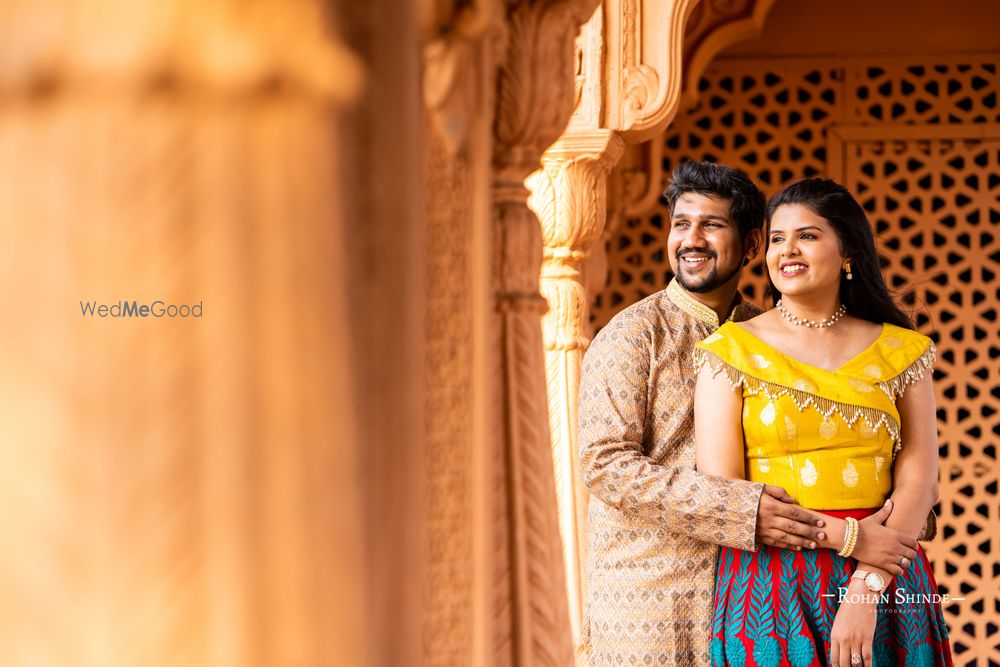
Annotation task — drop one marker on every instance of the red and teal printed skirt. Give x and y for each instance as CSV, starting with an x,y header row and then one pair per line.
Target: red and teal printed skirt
x,y
770,610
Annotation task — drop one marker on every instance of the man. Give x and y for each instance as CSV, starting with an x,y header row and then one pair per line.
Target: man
x,y
654,523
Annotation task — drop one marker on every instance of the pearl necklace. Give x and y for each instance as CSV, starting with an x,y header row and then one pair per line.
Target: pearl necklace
x,y
828,322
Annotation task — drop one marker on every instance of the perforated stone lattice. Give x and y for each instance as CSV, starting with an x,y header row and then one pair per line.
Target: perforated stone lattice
x,y
929,92
935,204
771,119
917,141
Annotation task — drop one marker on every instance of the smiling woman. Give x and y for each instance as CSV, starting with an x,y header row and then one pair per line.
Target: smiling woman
x,y
818,396
795,235
816,223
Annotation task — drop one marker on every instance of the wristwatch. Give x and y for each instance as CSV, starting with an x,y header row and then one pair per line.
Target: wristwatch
x,y
873,580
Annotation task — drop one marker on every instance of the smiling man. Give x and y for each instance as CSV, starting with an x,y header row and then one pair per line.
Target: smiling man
x,y
654,522
708,247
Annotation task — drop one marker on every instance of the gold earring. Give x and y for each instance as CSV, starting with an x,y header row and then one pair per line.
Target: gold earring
x,y
847,268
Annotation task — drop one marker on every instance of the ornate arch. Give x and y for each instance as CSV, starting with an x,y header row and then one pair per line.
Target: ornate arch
x,y
712,27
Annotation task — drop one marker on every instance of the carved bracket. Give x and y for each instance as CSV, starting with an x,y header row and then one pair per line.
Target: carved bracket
x,y
644,53
647,107
713,26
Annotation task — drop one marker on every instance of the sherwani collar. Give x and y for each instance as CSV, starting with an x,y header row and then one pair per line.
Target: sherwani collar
x,y
696,309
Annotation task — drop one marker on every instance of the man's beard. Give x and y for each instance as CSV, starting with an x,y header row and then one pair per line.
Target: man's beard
x,y
709,283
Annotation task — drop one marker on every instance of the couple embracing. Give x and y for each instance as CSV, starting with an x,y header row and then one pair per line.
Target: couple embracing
x,y
801,440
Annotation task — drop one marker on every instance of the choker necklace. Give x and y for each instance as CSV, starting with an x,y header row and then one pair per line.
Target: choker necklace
x,y
828,322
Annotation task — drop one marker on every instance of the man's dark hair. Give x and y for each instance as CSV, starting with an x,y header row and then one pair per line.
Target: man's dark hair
x,y
719,182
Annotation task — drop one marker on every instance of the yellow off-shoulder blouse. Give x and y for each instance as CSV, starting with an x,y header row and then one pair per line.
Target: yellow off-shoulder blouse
x,y
826,437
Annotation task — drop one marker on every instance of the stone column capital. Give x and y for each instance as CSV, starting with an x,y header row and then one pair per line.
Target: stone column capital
x,y
569,193
603,148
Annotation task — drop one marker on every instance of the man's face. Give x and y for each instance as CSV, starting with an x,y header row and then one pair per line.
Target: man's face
x,y
704,245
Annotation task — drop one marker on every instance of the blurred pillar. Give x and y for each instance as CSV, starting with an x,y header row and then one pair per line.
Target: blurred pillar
x,y
465,620
569,196
176,491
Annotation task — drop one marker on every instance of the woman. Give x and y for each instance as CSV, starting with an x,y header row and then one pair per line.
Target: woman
x,y
833,401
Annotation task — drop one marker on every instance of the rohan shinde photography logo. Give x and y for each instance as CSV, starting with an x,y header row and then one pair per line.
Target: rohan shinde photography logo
x,y
157,308
900,596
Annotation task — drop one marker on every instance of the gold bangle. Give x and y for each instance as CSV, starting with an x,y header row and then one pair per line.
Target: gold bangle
x,y
850,537
848,547
856,531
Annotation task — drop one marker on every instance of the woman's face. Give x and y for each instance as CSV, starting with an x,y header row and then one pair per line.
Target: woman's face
x,y
803,252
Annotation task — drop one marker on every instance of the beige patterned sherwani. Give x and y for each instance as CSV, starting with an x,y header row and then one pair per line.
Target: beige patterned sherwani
x,y
654,522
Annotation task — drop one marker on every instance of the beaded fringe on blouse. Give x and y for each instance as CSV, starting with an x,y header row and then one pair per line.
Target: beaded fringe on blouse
x,y
874,418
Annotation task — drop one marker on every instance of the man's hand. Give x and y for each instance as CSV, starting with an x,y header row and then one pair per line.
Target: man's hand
x,y
882,546
782,523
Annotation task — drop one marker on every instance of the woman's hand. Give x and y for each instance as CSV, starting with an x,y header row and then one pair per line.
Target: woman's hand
x,y
878,546
884,547
854,627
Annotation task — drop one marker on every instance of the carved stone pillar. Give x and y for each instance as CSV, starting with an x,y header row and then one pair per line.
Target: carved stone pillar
x,y
569,197
535,98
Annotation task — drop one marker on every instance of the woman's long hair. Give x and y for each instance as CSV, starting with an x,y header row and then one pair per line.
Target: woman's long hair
x,y
866,296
